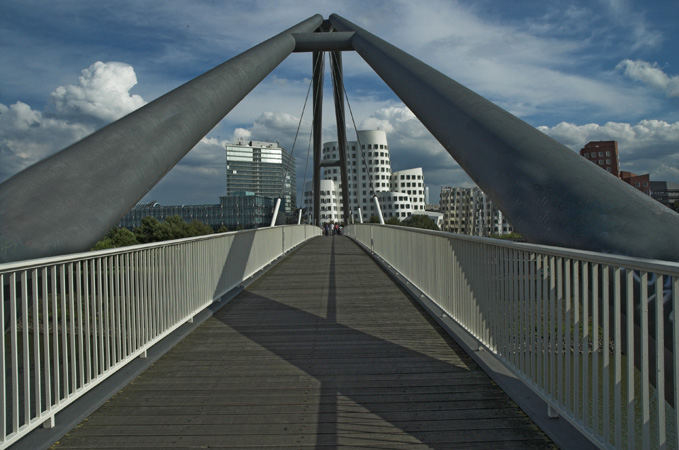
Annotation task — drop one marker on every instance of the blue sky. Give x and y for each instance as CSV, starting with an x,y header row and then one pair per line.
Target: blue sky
x,y
579,70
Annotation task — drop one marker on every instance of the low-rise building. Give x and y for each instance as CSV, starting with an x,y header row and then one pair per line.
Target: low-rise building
x,y
468,210
240,210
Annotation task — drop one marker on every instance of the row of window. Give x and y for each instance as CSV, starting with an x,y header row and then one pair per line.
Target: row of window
x,y
353,147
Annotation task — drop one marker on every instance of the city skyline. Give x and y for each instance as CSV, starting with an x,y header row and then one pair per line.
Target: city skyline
x,y
578,72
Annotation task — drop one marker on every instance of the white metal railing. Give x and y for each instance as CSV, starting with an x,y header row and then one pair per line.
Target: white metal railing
x,y
71,321
566,322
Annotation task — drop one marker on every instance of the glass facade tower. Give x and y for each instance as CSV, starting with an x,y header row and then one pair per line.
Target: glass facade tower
x,y
264,168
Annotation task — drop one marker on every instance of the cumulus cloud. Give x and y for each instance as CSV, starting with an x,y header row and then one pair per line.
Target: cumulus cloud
x,y
648,146
28,135
102,92
651,75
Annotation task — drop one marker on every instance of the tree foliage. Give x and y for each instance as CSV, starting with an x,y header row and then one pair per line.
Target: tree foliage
x,y
152,230
116,237
420,221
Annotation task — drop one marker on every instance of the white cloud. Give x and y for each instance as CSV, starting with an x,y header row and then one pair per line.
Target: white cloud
x,y
28,135
649,146
650,74
102,93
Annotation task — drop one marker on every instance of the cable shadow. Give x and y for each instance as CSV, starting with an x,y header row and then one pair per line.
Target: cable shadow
x,y
434,402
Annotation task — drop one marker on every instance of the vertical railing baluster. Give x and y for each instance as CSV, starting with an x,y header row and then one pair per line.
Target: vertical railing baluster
x,y
660,362
559,330
26,353
114,281
645,403
37,372
675,359
617,342
605,348
81,343
88,329
522,313
3,368
47,372
595,348
105,318
13,336
64,336
100,314
539,314
585,344
545,323
577,376
72,326
631,422
552,325
55,337
568,388
127,262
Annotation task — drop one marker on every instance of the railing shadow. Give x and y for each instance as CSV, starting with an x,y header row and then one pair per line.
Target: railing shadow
x,y
346,356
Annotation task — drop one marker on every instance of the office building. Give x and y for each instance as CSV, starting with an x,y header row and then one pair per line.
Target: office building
x,y
470,211
240,210
263,168
665,192
605,155
369,174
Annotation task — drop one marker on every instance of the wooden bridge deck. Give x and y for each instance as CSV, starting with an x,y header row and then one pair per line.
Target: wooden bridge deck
x,y
323,351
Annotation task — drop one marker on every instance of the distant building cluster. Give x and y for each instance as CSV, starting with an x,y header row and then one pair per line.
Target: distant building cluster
x,y
468,210
236,211
400,194
605,154
257,173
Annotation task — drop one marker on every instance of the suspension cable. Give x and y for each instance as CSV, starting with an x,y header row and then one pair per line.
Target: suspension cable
x,y
292,150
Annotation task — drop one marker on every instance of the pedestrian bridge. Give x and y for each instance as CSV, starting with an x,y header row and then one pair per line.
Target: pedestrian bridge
x,y
327,348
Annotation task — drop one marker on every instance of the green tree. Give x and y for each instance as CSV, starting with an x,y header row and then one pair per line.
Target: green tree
x,y
116,237
510,237
198,228
374,219
222,229
148,230
420,221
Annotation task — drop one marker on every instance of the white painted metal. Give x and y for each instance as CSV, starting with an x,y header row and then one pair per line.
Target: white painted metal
x,y
299,217
562,320
360,216
275,212
71,321
379,210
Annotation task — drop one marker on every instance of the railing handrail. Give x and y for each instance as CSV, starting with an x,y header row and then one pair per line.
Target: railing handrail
x,y
592,334
70,257
70,321
636,263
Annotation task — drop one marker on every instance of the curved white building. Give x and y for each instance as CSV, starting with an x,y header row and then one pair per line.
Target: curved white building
x,y
368,173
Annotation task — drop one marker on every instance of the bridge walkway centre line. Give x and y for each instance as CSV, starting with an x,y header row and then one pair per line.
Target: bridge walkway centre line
x,y
322,351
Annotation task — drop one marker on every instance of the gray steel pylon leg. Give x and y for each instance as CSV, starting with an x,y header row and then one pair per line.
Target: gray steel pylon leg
x,y
318,69
337,82
551,194
66,202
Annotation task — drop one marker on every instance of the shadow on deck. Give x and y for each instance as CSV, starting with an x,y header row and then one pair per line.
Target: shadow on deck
x,y
323,351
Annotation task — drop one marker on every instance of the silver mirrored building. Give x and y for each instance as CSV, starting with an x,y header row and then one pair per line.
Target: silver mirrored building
x,y
264,168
